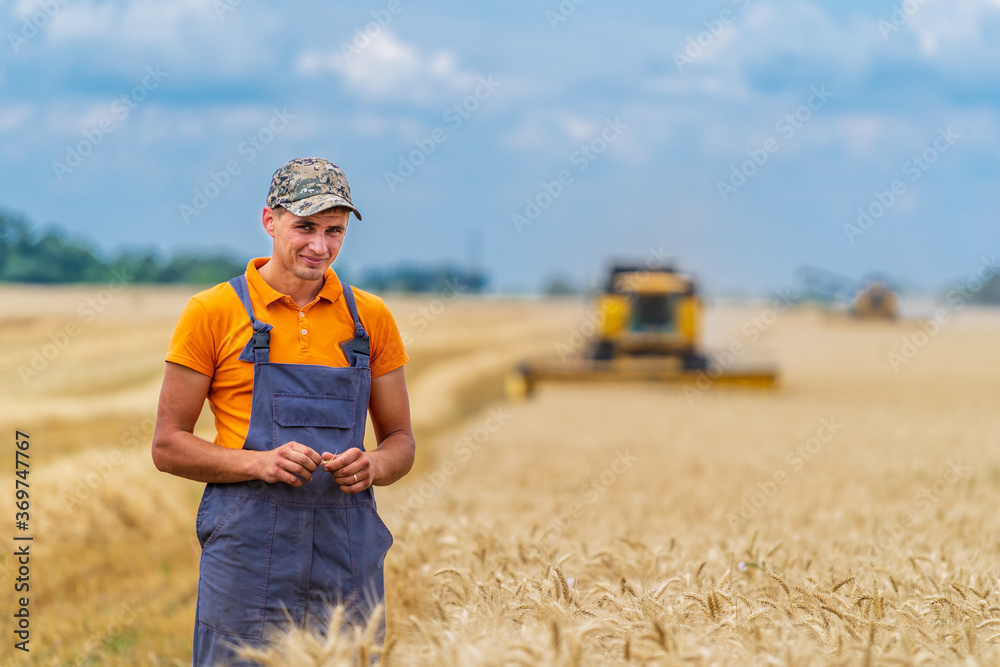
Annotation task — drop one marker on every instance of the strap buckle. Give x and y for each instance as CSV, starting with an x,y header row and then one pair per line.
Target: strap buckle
x,y
261,340
357,346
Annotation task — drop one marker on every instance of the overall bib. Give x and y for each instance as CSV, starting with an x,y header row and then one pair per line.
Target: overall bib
x,y
273,551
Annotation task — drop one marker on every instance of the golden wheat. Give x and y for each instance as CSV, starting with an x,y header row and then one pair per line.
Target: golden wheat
x,y
591,526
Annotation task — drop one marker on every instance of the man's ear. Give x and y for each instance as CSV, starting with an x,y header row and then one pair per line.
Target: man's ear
x,y
267,218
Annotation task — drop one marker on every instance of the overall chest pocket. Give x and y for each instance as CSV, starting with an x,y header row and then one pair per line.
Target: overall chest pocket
x,y
323,422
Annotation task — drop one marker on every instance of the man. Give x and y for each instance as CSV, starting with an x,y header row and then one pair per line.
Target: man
x,y
290,360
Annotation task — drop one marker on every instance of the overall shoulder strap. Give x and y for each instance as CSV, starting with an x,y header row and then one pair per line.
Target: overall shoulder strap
x,y
258,347
239,284
360,343
352,306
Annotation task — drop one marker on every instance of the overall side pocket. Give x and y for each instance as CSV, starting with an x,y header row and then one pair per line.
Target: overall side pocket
x,y
235,563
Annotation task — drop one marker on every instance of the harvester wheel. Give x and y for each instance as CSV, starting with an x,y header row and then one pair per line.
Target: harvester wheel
x,y
603,351
695,362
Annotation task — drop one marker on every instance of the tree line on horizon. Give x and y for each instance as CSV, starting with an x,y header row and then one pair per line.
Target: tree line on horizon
x,y
51,256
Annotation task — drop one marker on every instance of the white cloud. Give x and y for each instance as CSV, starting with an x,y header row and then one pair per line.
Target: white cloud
x,y
956,32
23,8
769,36
806,29
953,27
862,133
135,22
182,32
83,21
387,68
14,117
552,132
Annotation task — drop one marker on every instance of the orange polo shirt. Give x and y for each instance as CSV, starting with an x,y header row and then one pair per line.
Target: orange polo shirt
x,y
214,327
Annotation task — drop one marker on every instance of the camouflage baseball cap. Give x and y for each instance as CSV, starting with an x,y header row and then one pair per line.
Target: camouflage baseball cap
x,y
309,185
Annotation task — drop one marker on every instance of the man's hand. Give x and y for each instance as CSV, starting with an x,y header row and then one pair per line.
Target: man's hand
x,y
352,470
290,463
178,451
355,469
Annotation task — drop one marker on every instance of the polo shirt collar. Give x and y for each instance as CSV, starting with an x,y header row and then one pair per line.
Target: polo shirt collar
x,y
331,290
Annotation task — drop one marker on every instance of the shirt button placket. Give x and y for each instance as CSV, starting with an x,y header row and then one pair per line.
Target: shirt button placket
x,y
303,331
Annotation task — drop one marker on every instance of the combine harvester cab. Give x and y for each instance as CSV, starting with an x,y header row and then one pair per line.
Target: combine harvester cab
x,y
876,301
649,331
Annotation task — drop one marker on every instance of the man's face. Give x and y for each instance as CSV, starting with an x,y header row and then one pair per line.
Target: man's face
x,y
305,247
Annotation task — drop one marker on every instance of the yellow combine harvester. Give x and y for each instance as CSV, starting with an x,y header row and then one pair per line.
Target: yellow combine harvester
x,y
872,299
648,327
876,301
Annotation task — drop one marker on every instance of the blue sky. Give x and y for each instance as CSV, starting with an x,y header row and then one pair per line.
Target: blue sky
x,y
739,136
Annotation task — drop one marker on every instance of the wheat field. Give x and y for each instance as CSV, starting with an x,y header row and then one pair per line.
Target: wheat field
x,y
846,518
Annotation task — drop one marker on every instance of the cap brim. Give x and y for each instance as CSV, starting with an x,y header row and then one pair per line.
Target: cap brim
x,y
317,203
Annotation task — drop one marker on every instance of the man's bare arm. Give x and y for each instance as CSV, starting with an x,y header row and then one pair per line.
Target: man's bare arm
x,y
176,450
389,407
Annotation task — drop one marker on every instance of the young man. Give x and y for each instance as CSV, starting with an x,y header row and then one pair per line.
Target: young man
x,y
291,360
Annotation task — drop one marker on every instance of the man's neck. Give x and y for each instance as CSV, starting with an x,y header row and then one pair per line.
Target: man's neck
x,y
303,292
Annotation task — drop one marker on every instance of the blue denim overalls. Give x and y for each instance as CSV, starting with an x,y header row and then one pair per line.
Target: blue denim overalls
x,y
272,549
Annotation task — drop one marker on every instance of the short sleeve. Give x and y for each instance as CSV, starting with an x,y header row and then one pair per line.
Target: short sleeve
x,y
193,342
387,352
